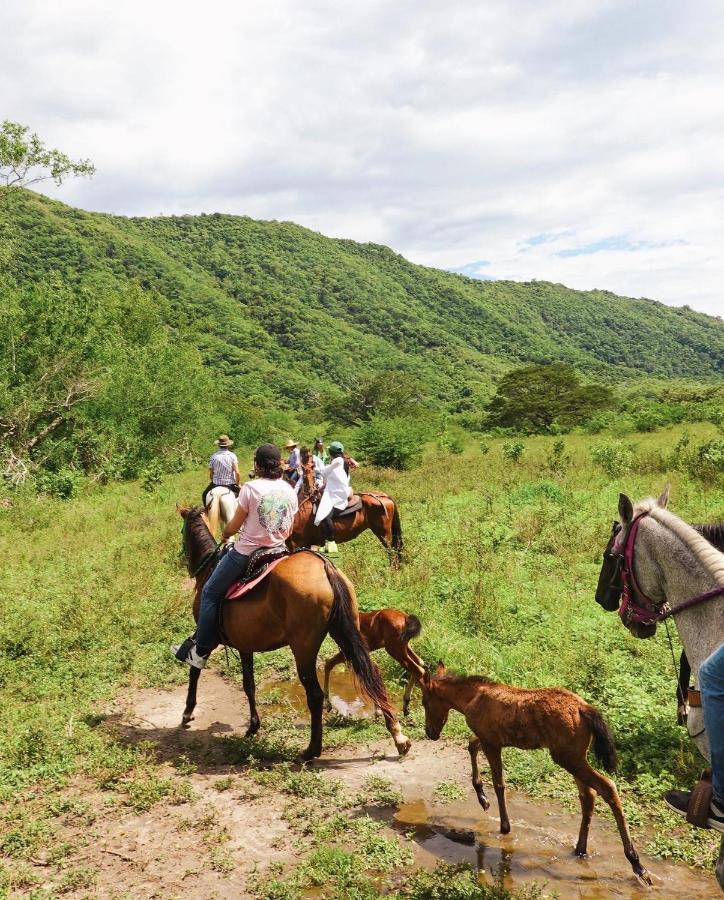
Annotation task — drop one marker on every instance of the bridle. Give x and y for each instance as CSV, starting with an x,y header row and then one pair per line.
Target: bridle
x,y
631,610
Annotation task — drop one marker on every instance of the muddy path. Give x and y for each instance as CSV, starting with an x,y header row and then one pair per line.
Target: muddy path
x,y
227,828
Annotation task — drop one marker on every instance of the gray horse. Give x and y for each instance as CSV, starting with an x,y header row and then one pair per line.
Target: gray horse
x,y
674,563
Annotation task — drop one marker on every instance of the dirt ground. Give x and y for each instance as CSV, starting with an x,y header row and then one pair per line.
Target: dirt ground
x,y
210,846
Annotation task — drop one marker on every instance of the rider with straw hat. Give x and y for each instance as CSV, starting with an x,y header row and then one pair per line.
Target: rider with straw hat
x,y
223,468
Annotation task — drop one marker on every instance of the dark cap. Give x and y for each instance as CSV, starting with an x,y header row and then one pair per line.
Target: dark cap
x,y
267,454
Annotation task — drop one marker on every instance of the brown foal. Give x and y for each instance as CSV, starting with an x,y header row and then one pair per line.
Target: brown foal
x,y
391,629
500,715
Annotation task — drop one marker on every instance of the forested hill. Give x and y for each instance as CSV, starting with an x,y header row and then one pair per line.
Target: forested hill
x,y
293,312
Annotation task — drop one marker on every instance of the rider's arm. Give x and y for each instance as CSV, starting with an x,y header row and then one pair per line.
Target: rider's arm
x,y
211,474
235,524
237,473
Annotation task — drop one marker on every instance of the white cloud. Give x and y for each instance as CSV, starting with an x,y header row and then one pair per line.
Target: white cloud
x,y
453,132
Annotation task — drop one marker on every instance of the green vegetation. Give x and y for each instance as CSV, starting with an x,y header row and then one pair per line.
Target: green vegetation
x,y
503,558
543,399
133,340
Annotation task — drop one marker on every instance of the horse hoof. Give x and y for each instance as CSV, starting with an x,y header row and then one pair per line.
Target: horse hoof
x,y
251,730
644,878
403,747
309,754
328,707
583,854
186,720
505,827
484,802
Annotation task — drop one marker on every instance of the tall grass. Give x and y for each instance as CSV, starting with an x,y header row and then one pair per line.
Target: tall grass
x,y
503,558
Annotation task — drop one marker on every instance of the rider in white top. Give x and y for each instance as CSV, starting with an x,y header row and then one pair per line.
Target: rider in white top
x,y
337,491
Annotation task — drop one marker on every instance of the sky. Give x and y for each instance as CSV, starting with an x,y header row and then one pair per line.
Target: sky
x,y
574,141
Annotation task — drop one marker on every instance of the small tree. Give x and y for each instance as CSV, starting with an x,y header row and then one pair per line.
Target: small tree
x,y
25,160
385,393
539,398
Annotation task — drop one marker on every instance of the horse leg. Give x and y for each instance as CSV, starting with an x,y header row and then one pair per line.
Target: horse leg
x,y
307,671
190,696
328,666
496,768
606,789
412,680
473,750
587,796
247,674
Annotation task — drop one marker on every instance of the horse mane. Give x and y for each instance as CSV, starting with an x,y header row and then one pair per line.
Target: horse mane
x,y
714,533
198,534
711,558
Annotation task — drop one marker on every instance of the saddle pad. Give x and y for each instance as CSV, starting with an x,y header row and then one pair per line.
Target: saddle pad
x,y
257,570
353,504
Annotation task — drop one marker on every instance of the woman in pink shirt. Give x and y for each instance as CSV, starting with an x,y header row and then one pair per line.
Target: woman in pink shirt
x,y
264,517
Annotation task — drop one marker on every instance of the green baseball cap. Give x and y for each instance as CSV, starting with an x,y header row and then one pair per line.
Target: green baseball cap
x,y
336,447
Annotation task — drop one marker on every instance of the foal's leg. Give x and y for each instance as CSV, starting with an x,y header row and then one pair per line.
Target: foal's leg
x,y
587,796
473,749
328,666
247,674
496,769
412,680
190,696
606,789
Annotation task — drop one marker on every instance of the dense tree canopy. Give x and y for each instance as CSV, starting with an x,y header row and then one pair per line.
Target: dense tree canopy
x,y
539,398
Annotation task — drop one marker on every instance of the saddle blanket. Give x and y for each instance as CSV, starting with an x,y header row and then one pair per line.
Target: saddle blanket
x,y
260,564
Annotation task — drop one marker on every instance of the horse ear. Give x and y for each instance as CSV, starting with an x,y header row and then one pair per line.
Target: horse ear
x,y
625,508
426,678
183,511
663,500
440,668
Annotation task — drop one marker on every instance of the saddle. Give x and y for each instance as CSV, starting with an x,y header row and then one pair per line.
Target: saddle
x,y
260,564
353,505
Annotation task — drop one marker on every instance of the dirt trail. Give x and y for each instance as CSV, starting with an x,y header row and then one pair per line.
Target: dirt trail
x,y
209,847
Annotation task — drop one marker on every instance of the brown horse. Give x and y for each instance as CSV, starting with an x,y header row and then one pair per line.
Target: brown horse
x,y
391,629
500,715
301,600
378,512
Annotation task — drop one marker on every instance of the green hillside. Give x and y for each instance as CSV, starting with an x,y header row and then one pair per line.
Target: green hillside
x,y
291,311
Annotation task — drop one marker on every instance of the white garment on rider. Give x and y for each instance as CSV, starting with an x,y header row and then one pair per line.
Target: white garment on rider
x,y
337,489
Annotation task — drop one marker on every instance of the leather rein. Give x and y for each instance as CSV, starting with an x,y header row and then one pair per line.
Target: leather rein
x,y
630,610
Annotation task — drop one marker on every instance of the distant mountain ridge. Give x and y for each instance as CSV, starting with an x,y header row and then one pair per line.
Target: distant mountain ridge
x,y
290,312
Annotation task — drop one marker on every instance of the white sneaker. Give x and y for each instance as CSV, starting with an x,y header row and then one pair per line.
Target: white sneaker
x,y
186,653
331,548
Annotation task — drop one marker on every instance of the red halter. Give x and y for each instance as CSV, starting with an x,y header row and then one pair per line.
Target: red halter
x,y
632,612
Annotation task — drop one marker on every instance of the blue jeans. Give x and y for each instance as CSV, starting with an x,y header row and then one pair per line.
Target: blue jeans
x,y
231,567
711,684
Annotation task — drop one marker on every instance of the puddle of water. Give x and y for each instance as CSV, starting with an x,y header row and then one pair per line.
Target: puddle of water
x,y
343,694
540,849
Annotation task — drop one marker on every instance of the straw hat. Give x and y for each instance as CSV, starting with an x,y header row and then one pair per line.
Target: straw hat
x,y
290,444
224,441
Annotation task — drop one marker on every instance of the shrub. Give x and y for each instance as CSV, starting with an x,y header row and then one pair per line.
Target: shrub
x,y
513,452
451,442
396,442
557,460
615,458
63,484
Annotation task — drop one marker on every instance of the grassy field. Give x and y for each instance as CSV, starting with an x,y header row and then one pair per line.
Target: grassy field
x,y
503,558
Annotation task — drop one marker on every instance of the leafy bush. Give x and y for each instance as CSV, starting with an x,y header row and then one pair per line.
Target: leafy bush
x,y
614,457
396,442
451,442
513,452
63,484
557,460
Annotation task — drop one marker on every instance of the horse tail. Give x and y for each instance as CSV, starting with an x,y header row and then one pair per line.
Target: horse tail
x,y
412,628
344,631
214,512
603,743
397,545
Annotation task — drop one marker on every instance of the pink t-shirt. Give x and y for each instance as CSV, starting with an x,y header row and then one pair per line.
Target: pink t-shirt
x,y
271,506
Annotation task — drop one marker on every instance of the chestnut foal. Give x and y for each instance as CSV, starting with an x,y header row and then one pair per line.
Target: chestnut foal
x,y
500,715
391,629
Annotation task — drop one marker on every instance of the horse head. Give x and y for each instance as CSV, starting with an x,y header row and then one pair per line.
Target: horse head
x,y
436,709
